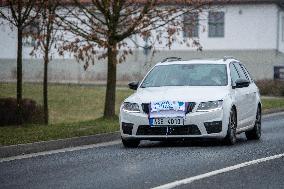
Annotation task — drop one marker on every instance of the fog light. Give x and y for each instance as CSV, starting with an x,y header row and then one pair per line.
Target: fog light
x,y
213,127
127,128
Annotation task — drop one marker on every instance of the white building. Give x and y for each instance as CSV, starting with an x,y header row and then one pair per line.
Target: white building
x,y
250,30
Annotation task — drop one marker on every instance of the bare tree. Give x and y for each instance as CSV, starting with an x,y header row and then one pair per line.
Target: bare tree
x,y
103,26
45,40
19,14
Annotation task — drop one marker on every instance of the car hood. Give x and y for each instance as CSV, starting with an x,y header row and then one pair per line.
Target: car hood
x,y
180,93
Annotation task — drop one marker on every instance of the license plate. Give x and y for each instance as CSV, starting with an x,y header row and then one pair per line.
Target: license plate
x,y
166,121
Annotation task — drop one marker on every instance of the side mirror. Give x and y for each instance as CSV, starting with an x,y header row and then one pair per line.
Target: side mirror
x,y
133,85
240,83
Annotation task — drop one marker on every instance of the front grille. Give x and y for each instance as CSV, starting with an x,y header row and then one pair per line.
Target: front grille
x,y
127,128
213,127
168,130
185,130
146,107
147,130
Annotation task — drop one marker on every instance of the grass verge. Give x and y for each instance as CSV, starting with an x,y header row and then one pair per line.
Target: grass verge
x,y
75,110
68,103
34,133
277,103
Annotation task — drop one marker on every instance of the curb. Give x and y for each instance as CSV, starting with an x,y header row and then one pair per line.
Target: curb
x,y
21,149
272,111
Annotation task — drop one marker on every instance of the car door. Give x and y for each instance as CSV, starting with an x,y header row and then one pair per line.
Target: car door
x,y
248,98
252,95
238,95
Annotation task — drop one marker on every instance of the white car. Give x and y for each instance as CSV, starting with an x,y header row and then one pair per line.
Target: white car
x,y
192,99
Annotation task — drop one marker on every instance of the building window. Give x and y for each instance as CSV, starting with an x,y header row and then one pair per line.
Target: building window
x,y
190,25
216,24
30,33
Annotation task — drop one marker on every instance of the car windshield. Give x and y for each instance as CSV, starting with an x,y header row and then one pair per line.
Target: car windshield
x,y
187,75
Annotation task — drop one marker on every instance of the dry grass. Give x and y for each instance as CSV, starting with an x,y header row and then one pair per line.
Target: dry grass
x,y
271,87
75,110
68,103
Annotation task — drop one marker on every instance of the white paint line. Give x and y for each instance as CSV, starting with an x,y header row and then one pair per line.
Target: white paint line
x,y
60,151
273,114
216,172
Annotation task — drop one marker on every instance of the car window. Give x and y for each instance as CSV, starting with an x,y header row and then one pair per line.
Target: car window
x,y
187,75
240,71
234,74
246,73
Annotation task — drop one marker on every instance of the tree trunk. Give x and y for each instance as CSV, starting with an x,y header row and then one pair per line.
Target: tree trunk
x,y
19,77
109,110
45,85
46,61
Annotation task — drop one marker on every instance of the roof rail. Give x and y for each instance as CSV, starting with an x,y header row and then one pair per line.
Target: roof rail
x,y
170,59
228,57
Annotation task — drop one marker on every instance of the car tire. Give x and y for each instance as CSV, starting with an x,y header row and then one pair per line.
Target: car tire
x,y
231,136
133,143
255,133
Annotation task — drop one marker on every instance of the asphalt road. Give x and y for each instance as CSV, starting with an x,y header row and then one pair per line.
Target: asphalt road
x,y
154,164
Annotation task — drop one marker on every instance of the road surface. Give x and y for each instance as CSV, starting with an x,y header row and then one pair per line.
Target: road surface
x,y
155,164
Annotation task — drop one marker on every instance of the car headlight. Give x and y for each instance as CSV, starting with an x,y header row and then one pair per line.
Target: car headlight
x,y
131,107
210,106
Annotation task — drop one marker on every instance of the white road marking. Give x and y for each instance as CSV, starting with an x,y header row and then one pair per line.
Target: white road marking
x,y
216,172
273,114
59,151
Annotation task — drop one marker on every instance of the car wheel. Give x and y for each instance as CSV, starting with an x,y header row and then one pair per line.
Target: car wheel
x,y
255,133
130,143
231,136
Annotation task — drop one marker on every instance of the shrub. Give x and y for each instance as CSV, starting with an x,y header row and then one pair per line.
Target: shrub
x,y
271,87
32,113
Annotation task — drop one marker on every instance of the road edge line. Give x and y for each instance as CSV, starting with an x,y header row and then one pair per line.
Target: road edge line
x,y
268,115
71,149
29,148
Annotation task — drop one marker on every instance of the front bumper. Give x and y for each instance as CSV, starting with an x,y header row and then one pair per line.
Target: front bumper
x,y
196,125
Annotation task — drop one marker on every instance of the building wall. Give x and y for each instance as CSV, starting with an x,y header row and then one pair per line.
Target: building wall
x,y
247,27
250,35
8,41
280,16
259,63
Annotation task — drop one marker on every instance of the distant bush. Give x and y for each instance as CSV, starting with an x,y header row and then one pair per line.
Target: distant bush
x,y
271,87
32,113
